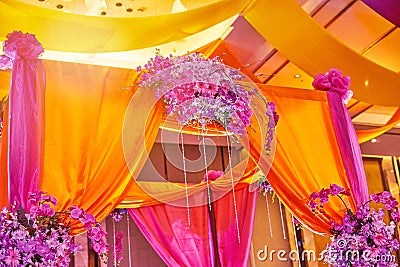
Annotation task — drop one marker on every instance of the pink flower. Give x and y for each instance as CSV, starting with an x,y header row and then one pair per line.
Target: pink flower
x,y
76,212
379,239
332,73
5,63
321,82
334,81
395,215
13,257
90,218
24,46
212,175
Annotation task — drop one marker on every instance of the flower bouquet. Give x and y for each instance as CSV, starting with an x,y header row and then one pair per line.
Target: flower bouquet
x,y
201,91
41,236
363,238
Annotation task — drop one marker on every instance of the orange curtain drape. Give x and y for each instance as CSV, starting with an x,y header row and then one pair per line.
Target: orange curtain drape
x,y
85,108
307,156
86,135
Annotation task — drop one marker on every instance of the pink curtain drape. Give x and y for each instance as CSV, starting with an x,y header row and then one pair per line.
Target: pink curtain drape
x,y
349,148
178,244
26,111
231,252
168,231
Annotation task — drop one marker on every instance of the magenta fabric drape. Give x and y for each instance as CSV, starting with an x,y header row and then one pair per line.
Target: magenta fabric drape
x,y
178,244
349,147
231,252
167,229
26,110
389,9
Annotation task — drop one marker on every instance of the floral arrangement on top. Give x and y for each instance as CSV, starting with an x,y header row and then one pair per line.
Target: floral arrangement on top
x,y
363,238
41,236
202,91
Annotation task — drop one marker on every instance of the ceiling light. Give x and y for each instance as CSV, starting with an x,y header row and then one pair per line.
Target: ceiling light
x,y
177,7
297,75
366,82
96,7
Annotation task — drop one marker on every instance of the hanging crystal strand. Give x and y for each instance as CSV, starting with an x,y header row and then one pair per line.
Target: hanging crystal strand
x,y
282,221
206,167
114,250
269,214
233,185
185,176
295,240
129,239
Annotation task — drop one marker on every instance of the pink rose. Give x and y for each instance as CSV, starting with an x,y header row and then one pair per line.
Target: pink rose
x,y
212,175
334,81
339,85
334,73
321,82
24,46
5,63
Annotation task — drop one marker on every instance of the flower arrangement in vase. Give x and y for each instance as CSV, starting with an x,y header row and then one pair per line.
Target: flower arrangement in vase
x,y
363,238
41,236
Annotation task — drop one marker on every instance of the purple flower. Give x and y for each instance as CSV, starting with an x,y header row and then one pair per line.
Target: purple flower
x,y
395,215
76,212
200,91
43,240
335,189
364,230
13,257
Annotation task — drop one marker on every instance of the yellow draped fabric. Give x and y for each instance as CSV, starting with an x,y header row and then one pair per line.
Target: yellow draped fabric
x,y
366,135
308,45
304,42
61,31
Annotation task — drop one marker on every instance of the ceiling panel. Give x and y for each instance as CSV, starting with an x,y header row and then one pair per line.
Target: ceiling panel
x,y
366,118
359,27
248,44
271,66
351,21
292,76
387,52
356,107
329,11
